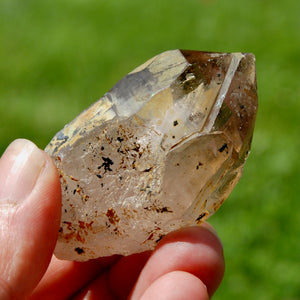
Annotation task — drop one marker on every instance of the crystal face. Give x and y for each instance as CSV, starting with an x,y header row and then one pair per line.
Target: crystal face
x,y
161,150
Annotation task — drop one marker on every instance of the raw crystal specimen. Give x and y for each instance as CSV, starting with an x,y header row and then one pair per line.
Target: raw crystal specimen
x,y
161,150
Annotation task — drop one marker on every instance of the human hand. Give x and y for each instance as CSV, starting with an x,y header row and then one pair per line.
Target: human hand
x,y
187,264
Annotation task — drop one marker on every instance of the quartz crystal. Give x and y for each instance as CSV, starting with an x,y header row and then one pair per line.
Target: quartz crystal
x,y
161,150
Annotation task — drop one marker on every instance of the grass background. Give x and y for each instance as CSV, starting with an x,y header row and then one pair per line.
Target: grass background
x,y
57,57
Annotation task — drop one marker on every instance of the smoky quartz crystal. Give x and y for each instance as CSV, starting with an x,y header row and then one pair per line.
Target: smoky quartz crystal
x,y
161,150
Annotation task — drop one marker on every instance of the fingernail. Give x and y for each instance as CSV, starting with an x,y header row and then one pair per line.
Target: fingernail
x,y
209,227
20,166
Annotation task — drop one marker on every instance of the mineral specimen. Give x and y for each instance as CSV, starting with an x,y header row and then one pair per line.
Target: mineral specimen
x,y
161,150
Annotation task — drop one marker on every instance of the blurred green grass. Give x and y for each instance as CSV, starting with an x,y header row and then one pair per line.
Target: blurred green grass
x,y
57,57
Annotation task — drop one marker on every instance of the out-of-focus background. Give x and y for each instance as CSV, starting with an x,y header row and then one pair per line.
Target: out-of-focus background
x,y
57,57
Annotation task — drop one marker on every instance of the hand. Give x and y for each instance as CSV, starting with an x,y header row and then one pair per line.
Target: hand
x,y
187,264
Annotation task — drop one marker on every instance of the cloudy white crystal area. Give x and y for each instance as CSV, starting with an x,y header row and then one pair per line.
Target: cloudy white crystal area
x,y
161,150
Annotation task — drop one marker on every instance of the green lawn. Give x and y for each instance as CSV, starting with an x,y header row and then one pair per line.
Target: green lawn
x,y
57,57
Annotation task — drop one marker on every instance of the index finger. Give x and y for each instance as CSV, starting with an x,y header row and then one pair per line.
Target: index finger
x,y
195,250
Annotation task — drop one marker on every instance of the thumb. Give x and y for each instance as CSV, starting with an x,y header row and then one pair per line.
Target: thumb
x,y
30,205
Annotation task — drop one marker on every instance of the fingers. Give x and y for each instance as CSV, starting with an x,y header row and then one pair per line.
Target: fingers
x,y
188,264
65,278
125,272
118,281
176,285
30,207
194,250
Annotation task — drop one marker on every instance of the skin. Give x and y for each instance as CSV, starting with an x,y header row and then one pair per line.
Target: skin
x,y
187,264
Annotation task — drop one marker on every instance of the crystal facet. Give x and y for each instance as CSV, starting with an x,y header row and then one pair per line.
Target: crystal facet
x,y
161,150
